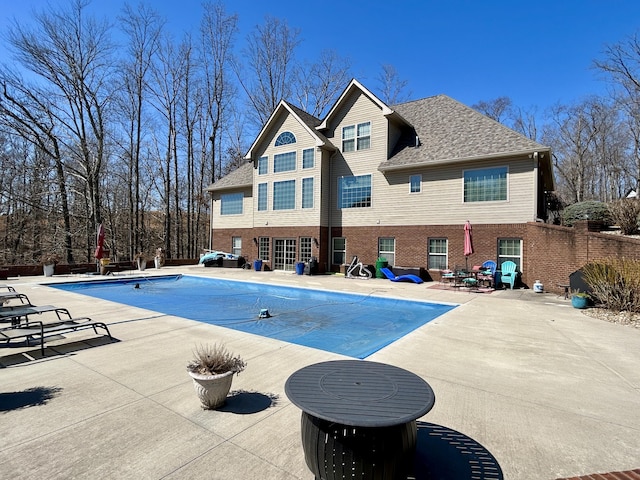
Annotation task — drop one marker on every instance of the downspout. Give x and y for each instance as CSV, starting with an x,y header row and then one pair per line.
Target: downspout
x,y
211,221
536,193
329,210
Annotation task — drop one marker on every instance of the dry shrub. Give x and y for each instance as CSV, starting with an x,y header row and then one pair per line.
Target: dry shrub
x,y
214,359
615,283
626,214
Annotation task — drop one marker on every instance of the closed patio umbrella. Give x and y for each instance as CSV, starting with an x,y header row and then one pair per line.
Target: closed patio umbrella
x,y
98,254
468,244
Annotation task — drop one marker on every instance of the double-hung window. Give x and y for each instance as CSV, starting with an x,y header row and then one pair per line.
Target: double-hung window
x,y
262,197
356,137
307,192
415,183
284,162
354,191
510,249
485,184
284,195
231,203
236,245
437,254
387,249
339,250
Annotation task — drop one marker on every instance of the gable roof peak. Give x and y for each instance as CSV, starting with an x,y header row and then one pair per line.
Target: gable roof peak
x,y
353,85
308,121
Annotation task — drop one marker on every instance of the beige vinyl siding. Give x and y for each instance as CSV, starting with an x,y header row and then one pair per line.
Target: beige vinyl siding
x,y
441,200
324,186
357,110
244,220
304,140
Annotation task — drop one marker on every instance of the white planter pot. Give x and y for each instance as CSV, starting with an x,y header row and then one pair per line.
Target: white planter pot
x,y
142,264
212,390
48,270
157,262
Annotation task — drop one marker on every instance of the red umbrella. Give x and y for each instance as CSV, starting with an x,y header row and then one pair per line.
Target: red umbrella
x,y
100,243
468,245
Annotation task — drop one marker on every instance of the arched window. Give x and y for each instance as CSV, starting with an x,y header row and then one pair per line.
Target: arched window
x,y
285,138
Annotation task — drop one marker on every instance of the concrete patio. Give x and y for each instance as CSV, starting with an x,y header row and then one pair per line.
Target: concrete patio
x,y
526,388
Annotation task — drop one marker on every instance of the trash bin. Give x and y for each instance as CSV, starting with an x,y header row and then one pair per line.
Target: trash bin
x,y
300,268
313,266
257,265
380,263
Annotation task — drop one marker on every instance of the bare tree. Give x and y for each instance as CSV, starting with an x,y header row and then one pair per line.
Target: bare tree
x,y
270,56
621,63
572,135
499,109
392,89
317,86
142,28
524,121
70,54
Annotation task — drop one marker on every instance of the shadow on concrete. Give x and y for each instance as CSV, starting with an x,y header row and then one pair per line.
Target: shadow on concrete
x,y
242,402
32,352
445,454
32,397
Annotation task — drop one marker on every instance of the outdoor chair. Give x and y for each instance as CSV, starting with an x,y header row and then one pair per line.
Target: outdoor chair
x,y
487,273
400,278
508,273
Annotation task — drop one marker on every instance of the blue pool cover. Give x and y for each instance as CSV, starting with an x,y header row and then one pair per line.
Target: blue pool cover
x,y
348,324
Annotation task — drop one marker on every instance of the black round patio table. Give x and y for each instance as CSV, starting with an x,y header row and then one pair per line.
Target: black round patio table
x,y
358,417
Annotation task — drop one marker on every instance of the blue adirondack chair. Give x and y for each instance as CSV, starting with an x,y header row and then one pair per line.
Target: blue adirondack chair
x,y
487,272
508,273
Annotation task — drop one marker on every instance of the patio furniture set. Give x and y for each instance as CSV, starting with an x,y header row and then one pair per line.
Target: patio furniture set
x,y
23,327
486,275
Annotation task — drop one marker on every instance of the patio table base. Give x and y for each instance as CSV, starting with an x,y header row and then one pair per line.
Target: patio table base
x,y
336,451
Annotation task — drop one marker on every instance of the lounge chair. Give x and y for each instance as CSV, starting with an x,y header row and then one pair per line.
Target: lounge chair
x,y
508,273
400,278
32,330
357,270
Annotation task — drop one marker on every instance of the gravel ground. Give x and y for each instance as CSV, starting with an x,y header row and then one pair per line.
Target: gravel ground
x,y
621,318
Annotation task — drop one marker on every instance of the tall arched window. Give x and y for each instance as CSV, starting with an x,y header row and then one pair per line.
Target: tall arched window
x,y
285,138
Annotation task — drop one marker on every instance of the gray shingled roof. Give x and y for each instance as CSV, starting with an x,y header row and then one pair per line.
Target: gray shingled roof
x,y
450,131
240,177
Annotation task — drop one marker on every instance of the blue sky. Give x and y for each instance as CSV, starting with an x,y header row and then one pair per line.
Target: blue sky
x,y
537,53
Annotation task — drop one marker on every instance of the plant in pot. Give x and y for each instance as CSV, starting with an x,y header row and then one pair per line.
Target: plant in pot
x,y
212,369
141,260
160,257
49,261
580,299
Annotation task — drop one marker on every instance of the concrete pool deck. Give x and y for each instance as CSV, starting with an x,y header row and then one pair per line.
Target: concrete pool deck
x,y
526,388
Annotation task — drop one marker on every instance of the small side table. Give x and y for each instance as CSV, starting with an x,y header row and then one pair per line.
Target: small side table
x,y
566,290
359,418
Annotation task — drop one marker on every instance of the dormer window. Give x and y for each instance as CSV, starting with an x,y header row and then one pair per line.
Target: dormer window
x,y
285,138
356,137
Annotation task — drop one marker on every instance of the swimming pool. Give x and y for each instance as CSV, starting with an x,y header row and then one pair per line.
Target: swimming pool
x,y
349,324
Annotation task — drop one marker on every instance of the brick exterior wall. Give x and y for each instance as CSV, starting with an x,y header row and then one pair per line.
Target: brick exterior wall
x,y
550,252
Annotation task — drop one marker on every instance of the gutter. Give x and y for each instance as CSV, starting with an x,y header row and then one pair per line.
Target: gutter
x,y
429,163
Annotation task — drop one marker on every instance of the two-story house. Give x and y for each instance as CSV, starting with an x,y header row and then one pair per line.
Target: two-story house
x,y
375,180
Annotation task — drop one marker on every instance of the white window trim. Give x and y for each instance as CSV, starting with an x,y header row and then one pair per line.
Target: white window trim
x,y
295,163
420,184
356,137
485,168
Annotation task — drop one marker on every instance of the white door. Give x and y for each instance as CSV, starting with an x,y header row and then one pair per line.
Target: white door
x,y
284,254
